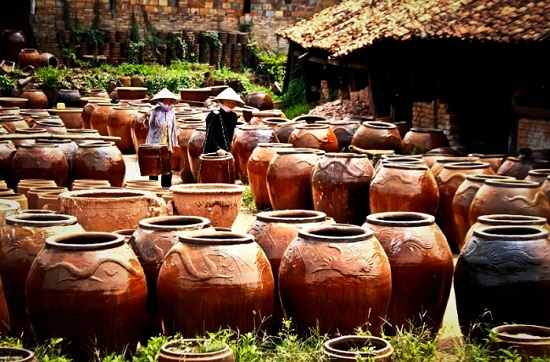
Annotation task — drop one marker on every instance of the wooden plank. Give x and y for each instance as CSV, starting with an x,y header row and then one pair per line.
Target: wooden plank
x,y
17,136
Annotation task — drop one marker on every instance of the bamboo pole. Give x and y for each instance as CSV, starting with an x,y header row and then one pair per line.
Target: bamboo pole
x,y
17,136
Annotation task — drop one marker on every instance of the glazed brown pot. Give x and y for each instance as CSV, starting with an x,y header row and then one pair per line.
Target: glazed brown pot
x,y
7,151
448,181
36,98
34,193
260,100
119,124
107,210
318,136
189,294
462,201
404,187
13,102
185,130
28,57
529,340
40,160
131,92
100,161
422,140
216,169
517,197
494,159
138,131
88,108
151,241
538,175
344,130
245,139
24,237
195,147
421,268
100,117
289,178
274,231
377,135
48,60
194,94
257,172
516,167
345,262
71,116
285,129
340,185
80,277
502,263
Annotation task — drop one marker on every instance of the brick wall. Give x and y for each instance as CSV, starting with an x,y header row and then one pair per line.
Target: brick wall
x,y
265,16
534,133
423,117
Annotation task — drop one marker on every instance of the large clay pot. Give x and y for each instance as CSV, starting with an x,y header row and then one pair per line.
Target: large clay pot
x,y
48,60
404,187
516,167
139,132
448,180
257,172
462,201
71,116
19,198
344,261
69,97
195,147
494,159
349,348
285,129
189,350
36,98
23,238
110,209
12,123
7,208
131,93
422,140
260,100
439,163
185,130
215,279
34,193
503,263
344,130
245,140
340,185
199,95
86,277
518,197
7,151
219,203
119,124
100,117
24,185
421,268
151,241
12,102
274,231
28,57
14,40
100,161
88,108
216,169
529,340
289,178
376,135
53,125
318,136
538,175
40,160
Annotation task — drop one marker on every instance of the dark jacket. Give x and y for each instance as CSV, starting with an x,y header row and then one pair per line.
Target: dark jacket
x,y
220,127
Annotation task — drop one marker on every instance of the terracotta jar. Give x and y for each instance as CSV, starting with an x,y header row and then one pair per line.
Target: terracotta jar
x,y
546,187
188,350
344,261
97,93
37,99
28,57
273,122
15,40
519,167
538,175
274,231
285,129
88,184
48,202
216,169
195,147
376,135
289,178
518,197
83,135
89,106
245,140
119,124
421,268
110,209
7,151
82,277
344,130
260,100
19,198
462,201
354,347
257,172
318,136
70,116
7,208
23,238
24,185
70,97
34,193
11,123
441,162
422,140
138,131
218,202
494,159
99,160
131,93
529,340
404,187
385,159
432,156
40,160
340,185
207,267
100,117
185,130
31,132
503,263
151,241
506,220
448,181
48,60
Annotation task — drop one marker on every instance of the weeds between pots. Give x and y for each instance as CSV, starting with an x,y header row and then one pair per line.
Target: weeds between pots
x,y
415,345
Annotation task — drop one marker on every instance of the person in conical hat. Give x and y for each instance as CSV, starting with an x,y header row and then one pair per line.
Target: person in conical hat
x,y
163,127
221,123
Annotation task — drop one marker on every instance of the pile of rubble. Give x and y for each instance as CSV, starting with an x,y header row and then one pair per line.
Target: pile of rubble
x,y
357,105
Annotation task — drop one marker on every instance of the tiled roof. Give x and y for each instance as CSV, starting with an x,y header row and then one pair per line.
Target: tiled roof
x,y
355,24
